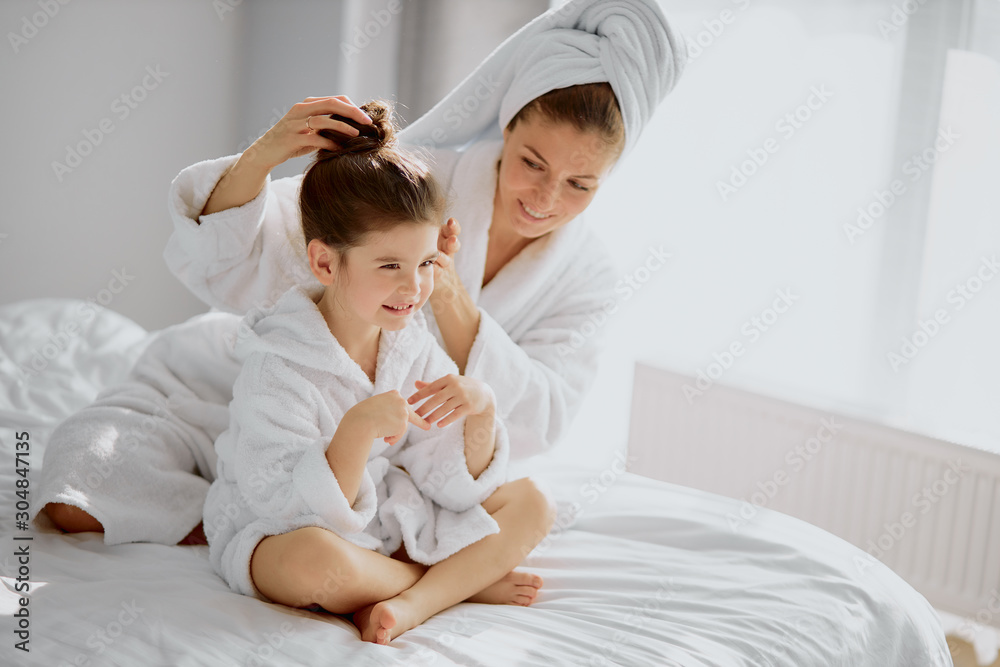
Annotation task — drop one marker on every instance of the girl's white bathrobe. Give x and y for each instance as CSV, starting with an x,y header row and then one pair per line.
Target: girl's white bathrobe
x,y
295,386
541,317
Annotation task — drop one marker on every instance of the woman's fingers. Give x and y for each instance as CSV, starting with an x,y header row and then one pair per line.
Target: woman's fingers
x,y
424,389
442,411
431,403
325,106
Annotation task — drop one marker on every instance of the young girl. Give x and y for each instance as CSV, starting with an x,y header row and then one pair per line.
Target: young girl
x,y
324,494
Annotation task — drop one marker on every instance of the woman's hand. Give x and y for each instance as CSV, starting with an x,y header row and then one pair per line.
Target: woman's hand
x,y
297,133
452,397
386,416
290,137
446,280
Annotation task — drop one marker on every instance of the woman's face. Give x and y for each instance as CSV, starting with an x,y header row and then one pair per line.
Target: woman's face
x,y
549,173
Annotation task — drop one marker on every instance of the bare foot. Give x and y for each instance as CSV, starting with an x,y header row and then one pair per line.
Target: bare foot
x,y
376,622
515,588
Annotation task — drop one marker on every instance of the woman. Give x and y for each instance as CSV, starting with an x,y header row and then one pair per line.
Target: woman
x,y
518,306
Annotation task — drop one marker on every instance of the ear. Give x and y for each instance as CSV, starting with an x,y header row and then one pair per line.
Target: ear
x,y
323,260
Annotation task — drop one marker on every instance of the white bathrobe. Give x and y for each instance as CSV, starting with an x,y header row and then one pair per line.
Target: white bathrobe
x,y
295,386
541,317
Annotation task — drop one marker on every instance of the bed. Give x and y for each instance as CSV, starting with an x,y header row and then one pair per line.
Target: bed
x,y
637,571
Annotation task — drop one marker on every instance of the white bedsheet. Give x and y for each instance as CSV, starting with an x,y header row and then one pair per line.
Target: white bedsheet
x,y
648,573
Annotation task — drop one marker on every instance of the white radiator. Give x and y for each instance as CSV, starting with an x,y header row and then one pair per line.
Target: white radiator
x,y
927,508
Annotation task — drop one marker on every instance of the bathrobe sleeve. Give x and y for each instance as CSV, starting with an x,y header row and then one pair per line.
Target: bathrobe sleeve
x,y
542,372
435,459
244,256
280,457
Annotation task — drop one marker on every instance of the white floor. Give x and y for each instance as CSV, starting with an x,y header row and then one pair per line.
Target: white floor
x,y
986,639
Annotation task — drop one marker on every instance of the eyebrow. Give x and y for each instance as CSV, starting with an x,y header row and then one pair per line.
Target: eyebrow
x,y
396,260
539,156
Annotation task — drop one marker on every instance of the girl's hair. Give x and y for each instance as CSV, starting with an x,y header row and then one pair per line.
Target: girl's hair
x,y
367,185
589,107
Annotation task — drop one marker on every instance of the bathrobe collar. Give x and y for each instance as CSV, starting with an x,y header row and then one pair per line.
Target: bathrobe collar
x,y
294,329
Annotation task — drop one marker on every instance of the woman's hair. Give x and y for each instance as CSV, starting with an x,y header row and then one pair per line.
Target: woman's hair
x,y
367,185
589,107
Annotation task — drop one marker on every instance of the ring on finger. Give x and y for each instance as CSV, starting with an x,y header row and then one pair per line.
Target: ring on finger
x,y
308,125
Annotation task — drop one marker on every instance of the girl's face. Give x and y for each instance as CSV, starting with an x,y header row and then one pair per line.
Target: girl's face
x,y
549,173
385,281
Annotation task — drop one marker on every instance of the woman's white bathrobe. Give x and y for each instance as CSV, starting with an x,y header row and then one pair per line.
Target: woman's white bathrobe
x,y
295,386
541,317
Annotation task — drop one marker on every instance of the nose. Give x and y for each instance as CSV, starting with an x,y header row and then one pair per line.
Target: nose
x,y
546,194
410,284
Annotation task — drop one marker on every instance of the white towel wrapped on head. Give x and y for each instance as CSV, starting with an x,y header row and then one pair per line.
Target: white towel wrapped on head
x,y
627,43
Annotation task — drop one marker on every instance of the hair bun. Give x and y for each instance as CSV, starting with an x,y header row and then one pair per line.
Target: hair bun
x,y
381,133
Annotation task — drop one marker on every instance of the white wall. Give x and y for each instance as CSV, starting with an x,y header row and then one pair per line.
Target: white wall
x,y
229,68
67,235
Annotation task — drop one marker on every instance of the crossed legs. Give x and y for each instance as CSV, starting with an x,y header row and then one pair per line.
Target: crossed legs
x,y
389,596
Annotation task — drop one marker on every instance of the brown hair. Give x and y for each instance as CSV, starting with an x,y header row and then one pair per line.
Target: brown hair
x,y
367,185
589,107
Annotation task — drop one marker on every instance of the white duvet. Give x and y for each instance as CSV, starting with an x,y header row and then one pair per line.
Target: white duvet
x,y
637,572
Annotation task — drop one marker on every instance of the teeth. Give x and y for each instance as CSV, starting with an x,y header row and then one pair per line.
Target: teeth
x,y
399,307
533,213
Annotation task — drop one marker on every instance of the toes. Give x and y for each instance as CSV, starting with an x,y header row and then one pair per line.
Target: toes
x,y
536,581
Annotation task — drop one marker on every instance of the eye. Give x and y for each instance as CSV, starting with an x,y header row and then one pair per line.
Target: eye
x,y
389,266
531,165
577,185
428,262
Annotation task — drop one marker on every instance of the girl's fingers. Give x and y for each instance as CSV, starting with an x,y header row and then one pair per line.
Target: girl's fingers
x,y
417,420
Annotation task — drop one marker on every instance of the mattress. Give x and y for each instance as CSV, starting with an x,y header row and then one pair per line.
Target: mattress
x,y
637,571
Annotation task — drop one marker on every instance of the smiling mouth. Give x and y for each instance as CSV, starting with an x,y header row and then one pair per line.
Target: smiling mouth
x,y
532,213
400,310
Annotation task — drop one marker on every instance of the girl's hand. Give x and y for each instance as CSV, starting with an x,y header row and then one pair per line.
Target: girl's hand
x,y
386,415
446,280
451,398
292,137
